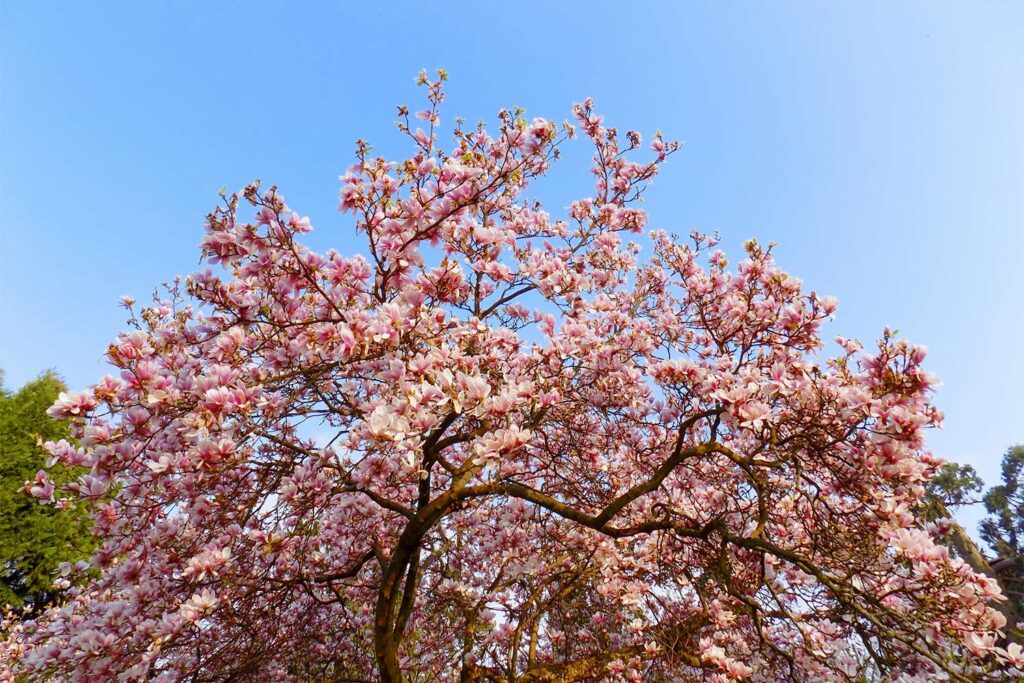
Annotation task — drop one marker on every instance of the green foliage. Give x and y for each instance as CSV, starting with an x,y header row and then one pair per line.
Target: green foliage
x,y
955,485
1003,528
34,538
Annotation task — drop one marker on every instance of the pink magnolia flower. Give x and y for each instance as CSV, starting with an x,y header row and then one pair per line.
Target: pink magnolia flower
x,y
72,404
42,488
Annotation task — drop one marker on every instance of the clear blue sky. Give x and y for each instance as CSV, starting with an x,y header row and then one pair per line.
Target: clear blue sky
x,y
881,144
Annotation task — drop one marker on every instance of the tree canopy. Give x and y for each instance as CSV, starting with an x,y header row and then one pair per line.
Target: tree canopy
x,y
503,445
1002,529
34,539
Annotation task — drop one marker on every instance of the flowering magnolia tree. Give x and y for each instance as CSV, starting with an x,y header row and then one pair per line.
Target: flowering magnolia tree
x,y
502,446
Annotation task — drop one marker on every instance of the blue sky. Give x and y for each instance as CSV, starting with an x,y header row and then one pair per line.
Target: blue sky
x,y
880,144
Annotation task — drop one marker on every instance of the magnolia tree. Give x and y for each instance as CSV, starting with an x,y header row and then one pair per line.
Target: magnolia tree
x,y
501,446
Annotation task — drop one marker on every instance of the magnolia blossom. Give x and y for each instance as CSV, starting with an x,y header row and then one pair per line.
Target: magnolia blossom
x,y
198,604
502,444
72,404
42,488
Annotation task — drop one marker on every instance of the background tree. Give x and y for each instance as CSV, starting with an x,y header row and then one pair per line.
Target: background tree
x,y
1003,527
503,447
956,485
34,539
